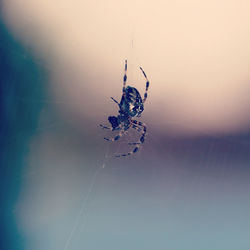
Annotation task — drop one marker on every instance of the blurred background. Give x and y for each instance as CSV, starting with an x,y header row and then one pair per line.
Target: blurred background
x,y
188,186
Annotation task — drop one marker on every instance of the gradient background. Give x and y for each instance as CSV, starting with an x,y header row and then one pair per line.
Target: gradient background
x,y
187,188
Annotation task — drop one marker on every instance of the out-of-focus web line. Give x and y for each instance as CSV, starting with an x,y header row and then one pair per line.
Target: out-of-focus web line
x,y
85,199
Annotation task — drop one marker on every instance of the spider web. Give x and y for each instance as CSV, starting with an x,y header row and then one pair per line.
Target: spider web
x,y
171,188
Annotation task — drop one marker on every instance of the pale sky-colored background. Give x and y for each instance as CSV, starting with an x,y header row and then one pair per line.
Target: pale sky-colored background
x,y
195,53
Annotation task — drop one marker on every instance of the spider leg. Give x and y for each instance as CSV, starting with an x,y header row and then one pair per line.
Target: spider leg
x,y
124,79
105,127
136,128
147,85
117,137
142,138
115,101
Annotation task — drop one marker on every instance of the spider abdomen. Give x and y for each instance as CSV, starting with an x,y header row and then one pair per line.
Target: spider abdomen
x,y
131,103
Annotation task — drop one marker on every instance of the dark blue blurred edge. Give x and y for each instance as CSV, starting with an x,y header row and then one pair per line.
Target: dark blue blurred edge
x,y
20,79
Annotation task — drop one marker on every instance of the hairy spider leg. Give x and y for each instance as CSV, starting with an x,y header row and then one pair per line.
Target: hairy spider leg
x,y
147,85
109,128
121,133
136,128
115,101
142,139
105,127
124,79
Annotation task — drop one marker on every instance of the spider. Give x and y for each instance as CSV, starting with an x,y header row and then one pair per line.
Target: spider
x,y
131,105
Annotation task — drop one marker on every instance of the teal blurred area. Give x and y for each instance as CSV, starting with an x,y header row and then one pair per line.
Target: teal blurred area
x,y
20,79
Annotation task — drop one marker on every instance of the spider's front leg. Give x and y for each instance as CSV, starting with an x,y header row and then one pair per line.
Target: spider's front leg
x,y
147,85
124,79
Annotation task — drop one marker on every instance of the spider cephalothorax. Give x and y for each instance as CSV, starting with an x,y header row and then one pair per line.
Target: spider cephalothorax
x,y
131,105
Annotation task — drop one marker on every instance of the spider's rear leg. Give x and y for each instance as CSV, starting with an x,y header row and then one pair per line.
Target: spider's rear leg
x,y
142,138
112,139
137,129
147,85
143,130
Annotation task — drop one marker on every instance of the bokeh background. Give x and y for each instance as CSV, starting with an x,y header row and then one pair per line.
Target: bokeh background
x,y
187,188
